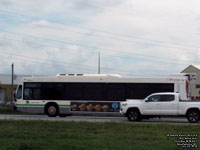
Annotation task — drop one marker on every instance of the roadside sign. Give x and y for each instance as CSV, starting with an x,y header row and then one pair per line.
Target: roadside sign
x,y
193,78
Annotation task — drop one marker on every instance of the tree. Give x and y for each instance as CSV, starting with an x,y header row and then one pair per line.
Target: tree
x,y
0,87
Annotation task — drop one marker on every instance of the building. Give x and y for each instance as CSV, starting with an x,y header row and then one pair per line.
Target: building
x,y
194,85
6,84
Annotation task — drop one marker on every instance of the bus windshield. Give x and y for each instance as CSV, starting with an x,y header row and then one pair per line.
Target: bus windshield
x,y
19,92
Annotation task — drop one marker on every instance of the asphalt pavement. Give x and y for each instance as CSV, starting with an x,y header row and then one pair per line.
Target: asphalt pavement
x,y
88,118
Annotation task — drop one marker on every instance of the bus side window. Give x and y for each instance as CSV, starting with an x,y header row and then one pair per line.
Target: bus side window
x,y
32,91
19,92
116,92
27,94
94,91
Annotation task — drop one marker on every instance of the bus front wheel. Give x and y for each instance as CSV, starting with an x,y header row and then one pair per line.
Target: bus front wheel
x,y
52,111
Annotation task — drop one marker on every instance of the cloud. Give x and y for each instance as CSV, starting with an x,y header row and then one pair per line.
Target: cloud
x,y
151,37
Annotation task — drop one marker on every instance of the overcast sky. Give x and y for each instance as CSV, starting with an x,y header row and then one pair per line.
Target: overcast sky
x,y
145,38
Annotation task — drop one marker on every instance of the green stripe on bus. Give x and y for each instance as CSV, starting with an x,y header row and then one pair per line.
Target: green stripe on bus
x,y
39,105
64,105
29,104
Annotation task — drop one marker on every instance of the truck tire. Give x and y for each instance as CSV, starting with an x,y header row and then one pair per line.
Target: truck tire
x,y
193,116
134,115
52,111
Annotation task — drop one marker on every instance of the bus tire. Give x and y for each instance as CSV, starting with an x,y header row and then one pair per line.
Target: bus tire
x,y
52,110
134,115
193,116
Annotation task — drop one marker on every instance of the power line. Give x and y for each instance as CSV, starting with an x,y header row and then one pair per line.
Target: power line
x,y
39,61
45,45
157,44
68,66
96,30
118,51
90,46
74,65
93,52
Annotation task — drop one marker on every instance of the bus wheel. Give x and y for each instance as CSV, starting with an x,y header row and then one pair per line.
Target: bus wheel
x,y
193,116
52,111
134,115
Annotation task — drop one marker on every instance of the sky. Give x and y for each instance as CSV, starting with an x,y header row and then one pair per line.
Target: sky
x,y
146,38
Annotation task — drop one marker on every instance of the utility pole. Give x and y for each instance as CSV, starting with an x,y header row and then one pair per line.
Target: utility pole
x,y
12,83
99,64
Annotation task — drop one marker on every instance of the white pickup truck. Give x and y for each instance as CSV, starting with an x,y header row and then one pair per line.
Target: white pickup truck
x,y
160,104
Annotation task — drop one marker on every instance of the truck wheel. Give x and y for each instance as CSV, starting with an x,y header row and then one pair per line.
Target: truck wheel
x,y
193,116
52,111
134,115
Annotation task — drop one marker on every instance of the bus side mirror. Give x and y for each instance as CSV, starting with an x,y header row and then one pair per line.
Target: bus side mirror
x,y
14,95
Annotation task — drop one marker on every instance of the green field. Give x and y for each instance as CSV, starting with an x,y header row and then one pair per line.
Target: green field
x,y
60,135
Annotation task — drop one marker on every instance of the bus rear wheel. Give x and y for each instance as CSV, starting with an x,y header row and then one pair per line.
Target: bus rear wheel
x,y
52,111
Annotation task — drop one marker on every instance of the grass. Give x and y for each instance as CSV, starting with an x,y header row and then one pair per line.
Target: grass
x,y
9,110
60,135
6,110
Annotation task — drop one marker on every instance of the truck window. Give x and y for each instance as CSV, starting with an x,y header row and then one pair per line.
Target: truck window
x,y
154,98
167,98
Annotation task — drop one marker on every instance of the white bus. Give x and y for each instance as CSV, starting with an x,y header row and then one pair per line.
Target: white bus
x,y
67,94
